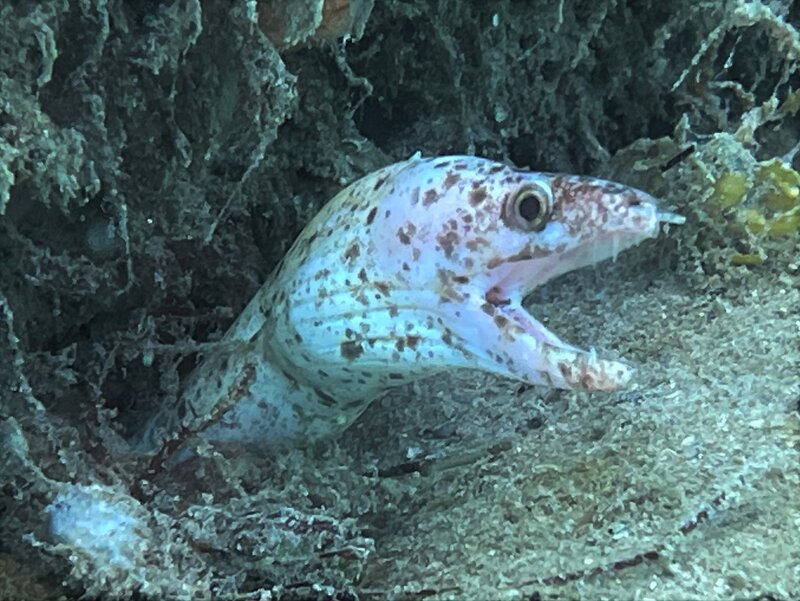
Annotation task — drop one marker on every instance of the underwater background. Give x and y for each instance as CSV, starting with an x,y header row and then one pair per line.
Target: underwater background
x,y
158,158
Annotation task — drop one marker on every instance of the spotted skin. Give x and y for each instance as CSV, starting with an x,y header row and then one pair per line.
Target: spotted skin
x,y
416,269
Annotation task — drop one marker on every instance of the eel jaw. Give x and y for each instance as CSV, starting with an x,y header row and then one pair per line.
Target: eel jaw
x,y
501,337
540,357
521,347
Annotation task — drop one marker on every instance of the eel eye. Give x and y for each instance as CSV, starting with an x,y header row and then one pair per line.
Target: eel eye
x,y
528,209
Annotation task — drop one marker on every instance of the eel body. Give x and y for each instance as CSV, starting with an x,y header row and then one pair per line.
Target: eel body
x,y
418,268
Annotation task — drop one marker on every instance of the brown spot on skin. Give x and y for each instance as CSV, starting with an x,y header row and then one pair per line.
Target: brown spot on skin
x,y
468,263
289,377
400,344
362,275
467,218
406,267
461,279
393,311
404,234
477,196
496,168
475,243
326,399
387,213
322,273
353,252
448,242
265,306
395,376
415,196
413,341
349,333
525,255
430,197
416,253
495,298
371,215
451,180
447,337
322,373
488,308
448,292
298,337
588,382
383,287
500,321
380,182
440,165
351,350
494,262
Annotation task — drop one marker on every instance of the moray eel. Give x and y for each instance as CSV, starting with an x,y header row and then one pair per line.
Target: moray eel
x,y
416,269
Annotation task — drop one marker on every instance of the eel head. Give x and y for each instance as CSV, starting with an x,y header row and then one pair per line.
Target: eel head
x,y
483,235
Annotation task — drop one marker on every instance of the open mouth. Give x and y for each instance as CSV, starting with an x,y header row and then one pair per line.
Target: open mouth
x,y
532,352
540,356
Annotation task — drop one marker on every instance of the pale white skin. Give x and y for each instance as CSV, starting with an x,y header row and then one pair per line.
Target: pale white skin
x,y
418,268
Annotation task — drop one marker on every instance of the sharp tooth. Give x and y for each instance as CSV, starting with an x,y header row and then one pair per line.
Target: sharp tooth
x,y
673,218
